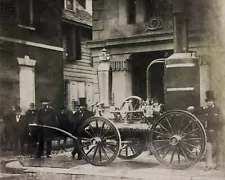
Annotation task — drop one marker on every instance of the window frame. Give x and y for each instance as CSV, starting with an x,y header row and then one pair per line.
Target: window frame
x,y
131,16
74,5
31,16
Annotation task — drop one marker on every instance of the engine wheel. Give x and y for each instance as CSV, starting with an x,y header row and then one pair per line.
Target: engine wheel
x,y
132,147
99,141
178,139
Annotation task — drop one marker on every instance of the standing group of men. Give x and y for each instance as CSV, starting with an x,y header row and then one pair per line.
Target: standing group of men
x,y
19,132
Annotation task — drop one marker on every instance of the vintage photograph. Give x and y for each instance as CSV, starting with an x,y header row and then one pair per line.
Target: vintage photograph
x,y
112,89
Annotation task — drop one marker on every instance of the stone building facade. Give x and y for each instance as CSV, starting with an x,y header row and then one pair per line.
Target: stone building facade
x,y
137,32
32,51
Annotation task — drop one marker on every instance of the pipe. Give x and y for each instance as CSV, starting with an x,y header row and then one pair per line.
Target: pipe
x,y
148,87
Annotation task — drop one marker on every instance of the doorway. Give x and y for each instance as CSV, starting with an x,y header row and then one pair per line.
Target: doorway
x,y
140,62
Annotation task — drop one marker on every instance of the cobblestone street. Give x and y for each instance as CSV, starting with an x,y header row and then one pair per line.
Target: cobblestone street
x,y
144,167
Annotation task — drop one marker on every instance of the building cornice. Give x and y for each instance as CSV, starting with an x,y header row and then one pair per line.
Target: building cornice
x,y
142,38
29,43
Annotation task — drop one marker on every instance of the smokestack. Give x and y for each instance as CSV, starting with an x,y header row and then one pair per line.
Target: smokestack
x,y
180,26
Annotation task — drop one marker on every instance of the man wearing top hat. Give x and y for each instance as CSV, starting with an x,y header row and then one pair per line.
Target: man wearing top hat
x,y
79,117
210,118
46,116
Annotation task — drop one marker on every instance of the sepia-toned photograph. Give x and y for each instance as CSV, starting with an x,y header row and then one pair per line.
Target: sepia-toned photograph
x,y
112,89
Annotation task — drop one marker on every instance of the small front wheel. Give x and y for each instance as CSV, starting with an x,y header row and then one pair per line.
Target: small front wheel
x,y
99,141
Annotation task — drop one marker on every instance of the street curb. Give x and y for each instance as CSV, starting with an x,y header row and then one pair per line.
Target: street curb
x,y
170,175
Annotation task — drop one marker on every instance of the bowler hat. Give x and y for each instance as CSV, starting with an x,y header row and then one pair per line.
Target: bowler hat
x,y
209,96
45,99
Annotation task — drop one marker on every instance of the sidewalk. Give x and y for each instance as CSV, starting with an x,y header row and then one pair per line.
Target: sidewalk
x,y
142,168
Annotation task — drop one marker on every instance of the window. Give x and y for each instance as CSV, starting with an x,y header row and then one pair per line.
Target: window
x,y
72,45
25,13
70,4
82,3
131,6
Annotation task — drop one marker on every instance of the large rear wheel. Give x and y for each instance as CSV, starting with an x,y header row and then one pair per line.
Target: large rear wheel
x,y
178,139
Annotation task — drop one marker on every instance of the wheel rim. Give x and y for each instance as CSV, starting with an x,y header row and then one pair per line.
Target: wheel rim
x,y
132,147
99,141
136,102
177,139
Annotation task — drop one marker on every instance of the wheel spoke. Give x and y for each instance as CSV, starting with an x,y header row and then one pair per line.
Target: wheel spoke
x,y
169,125
109,149
88,133
161,140
110,144
106,132
97,130
103,150
184,155
160,133
185,148
100,154
178,155
103,125
126,151
91,128
165,129
171,159
186,127
108,137
192,139
194,146
181,124
90,150
167,152
190,133
162,147
132,149
96,149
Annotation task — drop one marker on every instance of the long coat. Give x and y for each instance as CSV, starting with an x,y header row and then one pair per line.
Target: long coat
x,y
78,118
31,117
210,118
64,123
47,117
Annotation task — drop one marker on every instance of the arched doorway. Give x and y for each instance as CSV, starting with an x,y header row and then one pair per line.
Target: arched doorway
x,y
140,62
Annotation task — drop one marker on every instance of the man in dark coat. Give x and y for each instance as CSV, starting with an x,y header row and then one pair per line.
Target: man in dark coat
x,y
64,123
79,117
211,120
31,117
18,127
46,116
213,124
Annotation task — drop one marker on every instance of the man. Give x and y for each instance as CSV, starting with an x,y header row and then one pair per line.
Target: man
x,y
64,123
79,117
46,116
31,133
18,127
9,121
210,117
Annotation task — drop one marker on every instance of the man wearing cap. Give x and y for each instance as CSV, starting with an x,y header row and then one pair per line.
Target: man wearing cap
x,y
46,116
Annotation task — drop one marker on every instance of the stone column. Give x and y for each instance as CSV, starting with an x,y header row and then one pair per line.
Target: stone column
x,y
27,81
105,78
